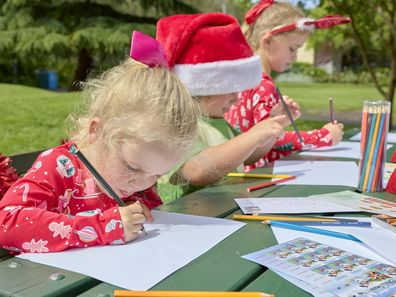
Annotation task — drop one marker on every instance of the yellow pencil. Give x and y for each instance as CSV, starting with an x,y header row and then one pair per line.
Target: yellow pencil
x,y
257,175
125,293
280,218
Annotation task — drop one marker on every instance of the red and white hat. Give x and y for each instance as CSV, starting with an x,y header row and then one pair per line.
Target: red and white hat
x,y
209,53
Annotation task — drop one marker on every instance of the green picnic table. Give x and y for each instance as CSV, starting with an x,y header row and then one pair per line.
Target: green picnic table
x,y
219,269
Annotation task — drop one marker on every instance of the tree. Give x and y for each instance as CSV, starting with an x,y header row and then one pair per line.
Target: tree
x,y
49,33
373,27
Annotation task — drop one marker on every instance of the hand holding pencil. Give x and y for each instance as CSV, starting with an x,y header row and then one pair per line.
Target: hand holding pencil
x,y
132,217
293,106
336,131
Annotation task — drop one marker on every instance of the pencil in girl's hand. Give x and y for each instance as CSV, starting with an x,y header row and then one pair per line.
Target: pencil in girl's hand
x,y
331,110
75,151
290,116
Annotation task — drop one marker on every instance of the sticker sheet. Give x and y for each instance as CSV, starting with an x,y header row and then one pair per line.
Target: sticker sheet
x,y
339,272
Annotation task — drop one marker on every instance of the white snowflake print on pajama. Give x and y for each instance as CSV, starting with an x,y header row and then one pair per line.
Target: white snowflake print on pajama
x,y
56,206
255,105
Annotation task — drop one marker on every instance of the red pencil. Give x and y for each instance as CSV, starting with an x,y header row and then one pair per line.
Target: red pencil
x,y
267,184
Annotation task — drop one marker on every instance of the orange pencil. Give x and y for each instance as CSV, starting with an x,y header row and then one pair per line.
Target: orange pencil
x,y
267,184
125,293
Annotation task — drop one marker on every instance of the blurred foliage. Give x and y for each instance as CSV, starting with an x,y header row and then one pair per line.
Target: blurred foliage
x,y
49,34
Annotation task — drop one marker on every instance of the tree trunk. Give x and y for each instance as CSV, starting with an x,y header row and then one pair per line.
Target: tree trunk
x,y
84,63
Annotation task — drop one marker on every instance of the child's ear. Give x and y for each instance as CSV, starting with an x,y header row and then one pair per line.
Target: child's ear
x,y
93,129
265,41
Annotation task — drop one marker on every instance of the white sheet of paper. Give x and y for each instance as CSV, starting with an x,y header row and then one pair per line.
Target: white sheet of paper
x,y
299,260
360,202
377,239
290,205
173,241
344,149
282,235
391,137
331,173
315,291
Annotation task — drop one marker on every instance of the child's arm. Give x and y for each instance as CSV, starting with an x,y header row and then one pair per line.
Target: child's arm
x,y
34,213
213,163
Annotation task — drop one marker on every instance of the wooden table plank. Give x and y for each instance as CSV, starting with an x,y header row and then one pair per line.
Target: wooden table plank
x,y
217,201
20,277
271,283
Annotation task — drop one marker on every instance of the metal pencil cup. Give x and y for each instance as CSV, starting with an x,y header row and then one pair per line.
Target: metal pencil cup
x,y
375,123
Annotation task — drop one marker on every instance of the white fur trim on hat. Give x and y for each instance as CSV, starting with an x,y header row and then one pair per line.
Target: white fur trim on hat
x,y
221,77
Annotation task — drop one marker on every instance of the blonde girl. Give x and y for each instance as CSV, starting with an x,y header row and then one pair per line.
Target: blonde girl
x,y
138,122
276,30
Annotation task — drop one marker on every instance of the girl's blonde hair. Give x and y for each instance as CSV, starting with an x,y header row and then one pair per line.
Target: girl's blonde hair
x,y
134,101
276,15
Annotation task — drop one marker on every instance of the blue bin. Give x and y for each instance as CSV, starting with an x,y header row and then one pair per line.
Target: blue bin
x,y
47,79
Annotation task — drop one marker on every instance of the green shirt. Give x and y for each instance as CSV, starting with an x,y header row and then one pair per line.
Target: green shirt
x,y
211,132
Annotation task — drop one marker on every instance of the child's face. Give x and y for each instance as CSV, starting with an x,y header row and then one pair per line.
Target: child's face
x,y
136,168
281,51
216,105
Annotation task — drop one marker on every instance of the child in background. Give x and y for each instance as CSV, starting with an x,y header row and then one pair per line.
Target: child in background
x,y
210,55
138,122
275,32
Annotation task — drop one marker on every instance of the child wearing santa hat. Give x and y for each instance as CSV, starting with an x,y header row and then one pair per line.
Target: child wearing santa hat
x,y
275,31
210,55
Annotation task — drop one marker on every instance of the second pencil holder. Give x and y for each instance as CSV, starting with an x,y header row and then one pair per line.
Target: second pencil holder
x,y
374,131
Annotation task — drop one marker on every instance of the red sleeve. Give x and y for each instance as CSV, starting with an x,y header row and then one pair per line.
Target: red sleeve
x,y
37,213
290,143
263,100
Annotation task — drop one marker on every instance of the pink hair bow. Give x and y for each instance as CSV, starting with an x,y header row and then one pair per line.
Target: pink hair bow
x,y
147,50
256,10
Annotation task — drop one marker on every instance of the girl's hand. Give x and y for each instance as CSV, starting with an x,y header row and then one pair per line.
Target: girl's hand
x,y
270,130
132,217
336,130
293,106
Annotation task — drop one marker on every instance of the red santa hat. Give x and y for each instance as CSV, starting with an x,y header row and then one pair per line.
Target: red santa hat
x,y
209,53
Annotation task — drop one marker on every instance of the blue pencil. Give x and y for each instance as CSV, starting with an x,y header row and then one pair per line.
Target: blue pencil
x,y
335,223
313,230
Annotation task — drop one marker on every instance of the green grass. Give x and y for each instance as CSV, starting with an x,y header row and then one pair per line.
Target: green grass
x,y
313,98
33,119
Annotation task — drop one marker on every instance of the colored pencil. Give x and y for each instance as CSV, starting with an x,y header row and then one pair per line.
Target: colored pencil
x,y
377,155
125,293
363,129
372,147
271,183
366,154
290,116
257,175
296,227
380,161
375,121
74,150
336,223
281,218
331,110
